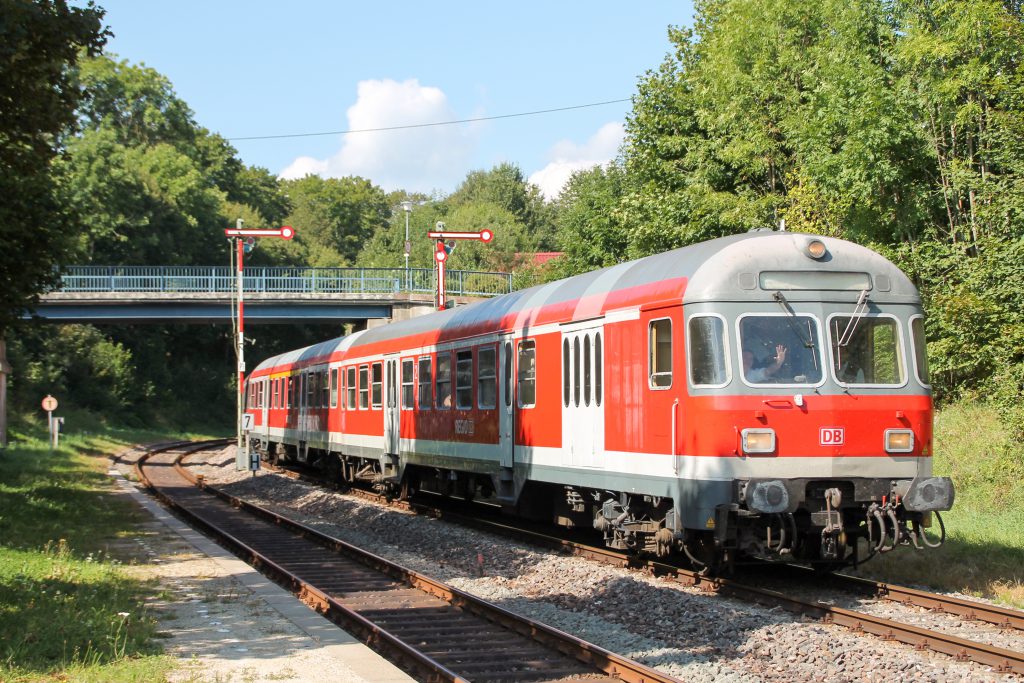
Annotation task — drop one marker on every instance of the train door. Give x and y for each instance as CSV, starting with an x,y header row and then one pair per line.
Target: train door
x,y
265,411
392,413
582,393
506,412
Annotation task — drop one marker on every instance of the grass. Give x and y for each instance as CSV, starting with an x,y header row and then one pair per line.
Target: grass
x,y
68,609
984,550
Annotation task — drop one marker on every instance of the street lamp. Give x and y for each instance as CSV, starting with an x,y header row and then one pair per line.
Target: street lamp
x,y
407,207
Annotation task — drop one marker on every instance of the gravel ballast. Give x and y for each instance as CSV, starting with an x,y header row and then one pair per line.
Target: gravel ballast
x,y
679,630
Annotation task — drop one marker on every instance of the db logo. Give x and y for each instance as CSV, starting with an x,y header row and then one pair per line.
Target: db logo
x,y
832,436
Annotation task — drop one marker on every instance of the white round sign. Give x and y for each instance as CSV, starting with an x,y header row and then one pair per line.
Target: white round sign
x,y
49,403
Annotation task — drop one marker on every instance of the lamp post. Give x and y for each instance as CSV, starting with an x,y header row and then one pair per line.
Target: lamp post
x,y
407,207
241,236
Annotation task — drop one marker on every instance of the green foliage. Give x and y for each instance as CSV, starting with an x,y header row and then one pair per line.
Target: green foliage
x,y
40,42
589,230
334,218
77,363
66,605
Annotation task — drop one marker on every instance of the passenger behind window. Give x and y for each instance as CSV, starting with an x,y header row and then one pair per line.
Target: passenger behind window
x,y
761,374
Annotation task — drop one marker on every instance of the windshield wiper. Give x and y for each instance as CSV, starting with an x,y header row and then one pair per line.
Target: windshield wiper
x,y
791,320
859,312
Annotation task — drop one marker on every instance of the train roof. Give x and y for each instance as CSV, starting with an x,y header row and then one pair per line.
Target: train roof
x,y
734,268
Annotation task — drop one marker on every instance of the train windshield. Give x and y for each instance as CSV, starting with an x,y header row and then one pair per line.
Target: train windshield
x,y
780,349
866,351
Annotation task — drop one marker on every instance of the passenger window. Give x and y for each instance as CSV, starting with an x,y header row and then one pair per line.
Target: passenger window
x,y
424,380
920,350
587,377
464,380
707,351
350,387
576,372
487,378
598,369
660,356
364,387
408,384
378,382
527,374
566,373
866,350
508,374
334,388
325,390
443,383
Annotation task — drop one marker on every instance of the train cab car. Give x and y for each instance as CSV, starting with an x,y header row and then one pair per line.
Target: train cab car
x,y
760,395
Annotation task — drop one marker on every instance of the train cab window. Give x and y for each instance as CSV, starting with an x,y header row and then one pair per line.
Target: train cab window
x,y
424,379
364,387
350,387
920,350
464,380
598,370
527,374
443,381
866,350
659,337
408,384
334,388
707,352
376,394
487,378
780,349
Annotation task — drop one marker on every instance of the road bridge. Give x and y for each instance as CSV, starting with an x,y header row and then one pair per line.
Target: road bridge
x,y
205,294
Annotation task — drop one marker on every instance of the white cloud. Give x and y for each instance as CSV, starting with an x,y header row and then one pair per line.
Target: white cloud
x,y
567,157
415,159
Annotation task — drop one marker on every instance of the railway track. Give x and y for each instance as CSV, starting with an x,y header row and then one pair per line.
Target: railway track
x,y
434,630
1000,659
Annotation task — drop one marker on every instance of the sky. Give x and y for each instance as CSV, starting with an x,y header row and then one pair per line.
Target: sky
x,y
258,68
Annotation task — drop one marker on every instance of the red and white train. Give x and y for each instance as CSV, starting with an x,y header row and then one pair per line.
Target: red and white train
x,y
762,395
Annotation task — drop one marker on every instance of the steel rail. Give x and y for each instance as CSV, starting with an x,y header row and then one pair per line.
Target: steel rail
x,y
968,609
586,653
1002,660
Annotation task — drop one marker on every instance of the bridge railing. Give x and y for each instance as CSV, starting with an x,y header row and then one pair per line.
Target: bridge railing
x,y
289,280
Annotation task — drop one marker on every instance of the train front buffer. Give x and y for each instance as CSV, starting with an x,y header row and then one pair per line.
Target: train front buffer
x,y
821,520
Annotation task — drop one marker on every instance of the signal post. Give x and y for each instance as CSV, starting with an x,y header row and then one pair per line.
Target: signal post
x,y
443,249
245,241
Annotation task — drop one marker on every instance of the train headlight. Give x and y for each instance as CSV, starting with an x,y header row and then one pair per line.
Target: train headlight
x,y
815,248
899,441
758,440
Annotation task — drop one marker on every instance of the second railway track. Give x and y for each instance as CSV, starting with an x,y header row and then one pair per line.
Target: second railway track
x,y
434,630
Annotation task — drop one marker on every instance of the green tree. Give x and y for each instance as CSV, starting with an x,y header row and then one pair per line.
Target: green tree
x,y
40,43
775,109
333,217
589,230
506,187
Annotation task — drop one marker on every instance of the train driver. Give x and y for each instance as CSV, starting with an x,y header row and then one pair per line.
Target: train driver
x,y
760,375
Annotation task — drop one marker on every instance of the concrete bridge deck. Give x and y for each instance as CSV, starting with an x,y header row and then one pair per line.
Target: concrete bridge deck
x,y
198,294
